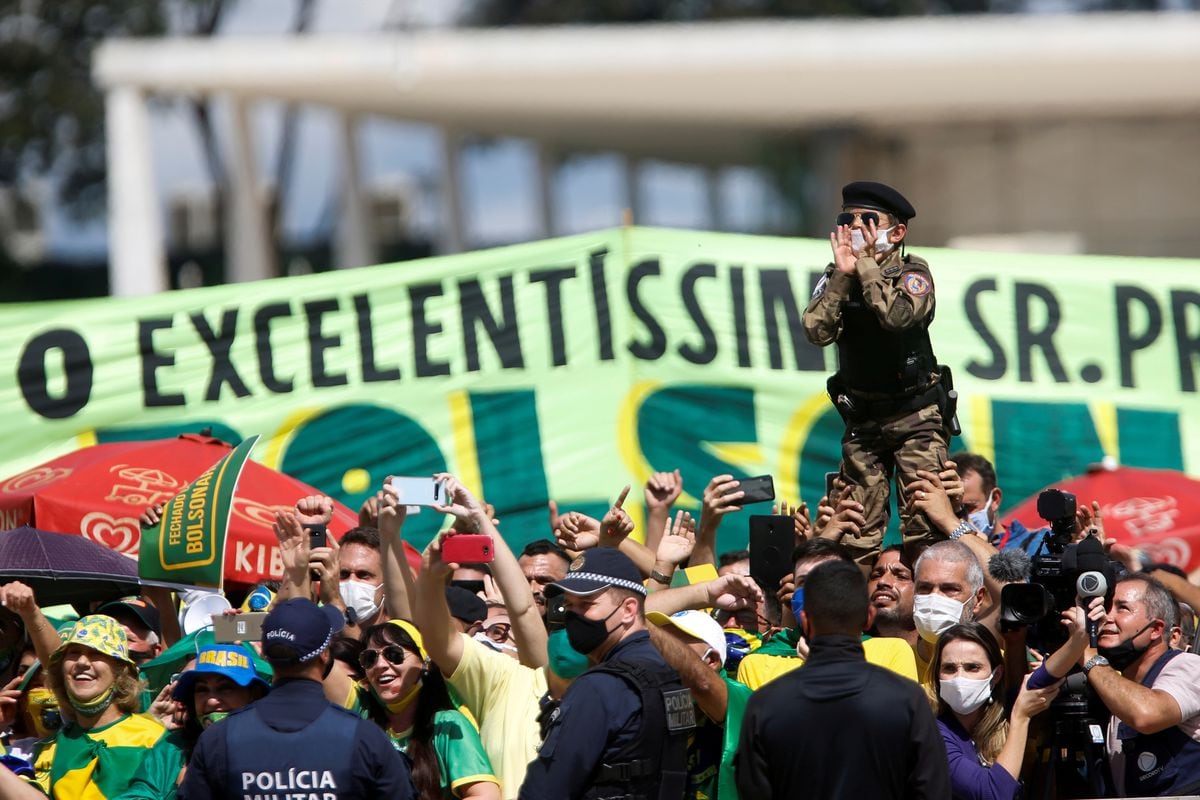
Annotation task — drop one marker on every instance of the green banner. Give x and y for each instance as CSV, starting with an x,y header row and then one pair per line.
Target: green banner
x,y
567,368
188,546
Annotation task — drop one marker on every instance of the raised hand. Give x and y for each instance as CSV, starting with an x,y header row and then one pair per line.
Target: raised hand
x,y
733,593
616,524
151,516
390,512
1089,520
678,540
577,531
847,519
953,485
316,509
469,513
721,496
663,489
293,545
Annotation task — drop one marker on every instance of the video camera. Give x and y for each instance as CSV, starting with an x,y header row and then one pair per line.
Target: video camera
x,y
1060,572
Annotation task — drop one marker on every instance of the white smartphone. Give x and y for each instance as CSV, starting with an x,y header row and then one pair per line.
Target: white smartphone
x,y
420,491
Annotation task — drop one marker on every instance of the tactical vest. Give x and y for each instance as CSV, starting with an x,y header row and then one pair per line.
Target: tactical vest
x,y
1163,763
873,359
315,762
654,765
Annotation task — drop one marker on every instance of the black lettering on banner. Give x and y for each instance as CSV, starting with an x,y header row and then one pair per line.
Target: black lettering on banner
x,y
737,295
687,288
262,344
999,364
318,343
219,342
152,360
776,288
553,279
1128,342
1187,341
77,367
423,330
600,299
1028,339
504,332
654,349
371,372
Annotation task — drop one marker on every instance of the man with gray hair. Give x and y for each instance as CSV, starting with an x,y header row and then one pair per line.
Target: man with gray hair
x,y
948,589
1153,692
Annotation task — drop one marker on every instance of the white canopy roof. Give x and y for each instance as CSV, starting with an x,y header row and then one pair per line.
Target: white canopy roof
x,y
700,91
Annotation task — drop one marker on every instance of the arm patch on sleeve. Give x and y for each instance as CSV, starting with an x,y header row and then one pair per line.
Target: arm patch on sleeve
x,y
917,284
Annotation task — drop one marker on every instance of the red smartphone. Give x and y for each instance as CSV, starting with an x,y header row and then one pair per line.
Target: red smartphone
x,y
468,548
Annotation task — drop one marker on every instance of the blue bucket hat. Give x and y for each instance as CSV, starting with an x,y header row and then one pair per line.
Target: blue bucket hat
x,y
231,660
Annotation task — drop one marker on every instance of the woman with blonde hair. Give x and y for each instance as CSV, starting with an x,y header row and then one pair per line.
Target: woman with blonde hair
x,y
104,739
964,683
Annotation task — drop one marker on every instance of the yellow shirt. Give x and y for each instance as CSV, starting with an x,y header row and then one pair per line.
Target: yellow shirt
x,y
503,696
758,669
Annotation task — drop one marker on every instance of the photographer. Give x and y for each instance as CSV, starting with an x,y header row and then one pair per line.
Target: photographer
x,y
1153,692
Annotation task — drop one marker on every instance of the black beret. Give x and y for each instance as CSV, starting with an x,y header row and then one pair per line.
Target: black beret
x,y
869,194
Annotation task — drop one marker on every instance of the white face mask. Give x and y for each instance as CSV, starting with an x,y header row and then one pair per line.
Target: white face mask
x,y
934,613
360,598
981,520
882,245
964,695
499,647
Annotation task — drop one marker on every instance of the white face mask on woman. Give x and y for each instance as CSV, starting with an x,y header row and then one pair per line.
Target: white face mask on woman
x,y
965,695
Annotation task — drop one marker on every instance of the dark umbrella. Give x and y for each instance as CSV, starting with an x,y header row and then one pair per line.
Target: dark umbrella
x,y
63,568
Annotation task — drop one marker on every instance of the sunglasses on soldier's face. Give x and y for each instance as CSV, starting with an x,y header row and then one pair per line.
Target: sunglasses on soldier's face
x,y
393,654
848,217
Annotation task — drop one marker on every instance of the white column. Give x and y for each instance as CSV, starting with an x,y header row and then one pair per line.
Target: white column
x,y
452,239
248,254
137,263
712,194
354,239
547,167
633,203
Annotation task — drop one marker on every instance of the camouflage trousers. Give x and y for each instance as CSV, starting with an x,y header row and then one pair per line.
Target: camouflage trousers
x,y
875,450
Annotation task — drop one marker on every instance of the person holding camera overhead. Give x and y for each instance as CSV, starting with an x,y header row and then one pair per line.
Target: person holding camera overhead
x,y
965,685
876,304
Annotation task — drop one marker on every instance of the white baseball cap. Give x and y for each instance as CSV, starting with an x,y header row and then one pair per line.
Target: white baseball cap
x,y
696,624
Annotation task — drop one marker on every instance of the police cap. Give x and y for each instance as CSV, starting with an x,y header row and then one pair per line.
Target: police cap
x,y
879,196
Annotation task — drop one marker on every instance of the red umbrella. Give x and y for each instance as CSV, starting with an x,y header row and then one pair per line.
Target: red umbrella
x,y
1154,510
100,491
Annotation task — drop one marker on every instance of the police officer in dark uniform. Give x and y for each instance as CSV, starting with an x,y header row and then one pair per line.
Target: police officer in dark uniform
x,y
876,304
294,742
621,731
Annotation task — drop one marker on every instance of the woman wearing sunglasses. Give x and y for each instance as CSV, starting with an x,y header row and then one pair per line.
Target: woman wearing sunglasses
x,y
411,702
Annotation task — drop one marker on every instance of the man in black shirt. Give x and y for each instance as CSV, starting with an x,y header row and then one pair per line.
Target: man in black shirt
x,y
838,726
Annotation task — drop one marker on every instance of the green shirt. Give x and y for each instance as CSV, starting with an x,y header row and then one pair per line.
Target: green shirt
x,y
97,763
460,754
712,745
157,778
735,708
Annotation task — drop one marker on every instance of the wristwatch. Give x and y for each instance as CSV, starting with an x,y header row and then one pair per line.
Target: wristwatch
x,y
1094,661
665,580
963,528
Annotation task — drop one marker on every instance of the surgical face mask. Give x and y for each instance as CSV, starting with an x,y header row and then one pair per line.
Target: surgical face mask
x,y
934,613
359,597
981,520
965,695
584,634
565,660
499,647
797,604
882,245
1122,655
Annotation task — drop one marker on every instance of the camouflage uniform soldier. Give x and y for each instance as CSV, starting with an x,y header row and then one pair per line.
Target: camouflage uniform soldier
x,y
876,304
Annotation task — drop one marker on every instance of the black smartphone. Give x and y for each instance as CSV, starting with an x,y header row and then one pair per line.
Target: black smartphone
x,y
316,535
772,539
758,489
830,488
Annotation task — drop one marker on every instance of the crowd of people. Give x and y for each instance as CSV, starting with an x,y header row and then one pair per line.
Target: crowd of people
x,y
596,664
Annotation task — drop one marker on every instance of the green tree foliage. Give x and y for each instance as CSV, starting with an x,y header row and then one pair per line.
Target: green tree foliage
x,y
51,114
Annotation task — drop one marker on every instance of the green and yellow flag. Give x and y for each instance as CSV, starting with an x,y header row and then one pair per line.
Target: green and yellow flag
x,y
187,547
